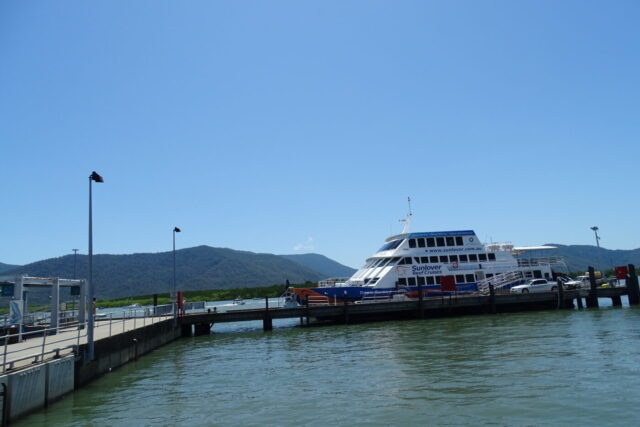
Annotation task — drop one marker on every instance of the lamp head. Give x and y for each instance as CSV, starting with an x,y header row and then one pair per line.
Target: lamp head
x,y
176,230
96,177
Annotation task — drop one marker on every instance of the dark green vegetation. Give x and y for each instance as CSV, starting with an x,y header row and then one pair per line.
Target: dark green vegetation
x,y
198,268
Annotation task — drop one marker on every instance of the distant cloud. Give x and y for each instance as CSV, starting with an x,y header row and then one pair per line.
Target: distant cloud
x,y
305,246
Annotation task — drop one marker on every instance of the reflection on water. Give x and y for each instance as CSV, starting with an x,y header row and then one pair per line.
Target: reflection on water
x,y
535,368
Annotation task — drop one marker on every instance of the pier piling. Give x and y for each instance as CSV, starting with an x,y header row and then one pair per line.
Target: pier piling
x,y
346,311
267,321
633,290
592,298
561,303
492,299
420,302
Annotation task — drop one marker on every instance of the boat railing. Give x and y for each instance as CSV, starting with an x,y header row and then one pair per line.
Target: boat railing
x,y
315,300
330,283
382,295
535,262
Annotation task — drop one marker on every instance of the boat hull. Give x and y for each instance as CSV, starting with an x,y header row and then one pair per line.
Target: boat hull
x,y
340,294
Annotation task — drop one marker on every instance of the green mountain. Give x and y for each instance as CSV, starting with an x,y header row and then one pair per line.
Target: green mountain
x,y
197,268
6,267
579,257
323,265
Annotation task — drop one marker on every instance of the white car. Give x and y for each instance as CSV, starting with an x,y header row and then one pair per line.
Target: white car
x,y
535,285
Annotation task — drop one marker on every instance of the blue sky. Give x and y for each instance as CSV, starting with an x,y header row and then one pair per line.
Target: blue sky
x,y
293,127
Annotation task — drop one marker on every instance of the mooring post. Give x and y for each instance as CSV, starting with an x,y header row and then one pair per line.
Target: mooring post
x,y
420,301
346,310
592,298
560,295
267,323
306,303
633,290
492,299
579,300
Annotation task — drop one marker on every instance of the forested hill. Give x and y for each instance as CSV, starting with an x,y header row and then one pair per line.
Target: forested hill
x,y
579,257
201,267
322,264
6,267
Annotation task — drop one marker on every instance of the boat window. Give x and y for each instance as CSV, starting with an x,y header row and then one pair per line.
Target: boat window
x,y
473,257
489,275
537,274
470,278
421,243
459,241
412,243
401,262
374,280
453,258
438,279
451,241
424,260
433,259
528,274
459,278
492,256
394,260
444,259
411,281
482,257
391,245
440,241
417,259
407,260
431,242
463,258
420,280
402,281
430,280
366,281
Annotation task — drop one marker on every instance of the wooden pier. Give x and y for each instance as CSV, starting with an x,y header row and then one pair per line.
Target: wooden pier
x,y
201,323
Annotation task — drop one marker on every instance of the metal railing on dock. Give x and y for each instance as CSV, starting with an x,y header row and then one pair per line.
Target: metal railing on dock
x,y
25,348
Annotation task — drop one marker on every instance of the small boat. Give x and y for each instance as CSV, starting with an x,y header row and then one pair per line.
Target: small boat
x,y
238,301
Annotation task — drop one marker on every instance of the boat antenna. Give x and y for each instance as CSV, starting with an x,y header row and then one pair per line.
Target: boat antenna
x,y
407,222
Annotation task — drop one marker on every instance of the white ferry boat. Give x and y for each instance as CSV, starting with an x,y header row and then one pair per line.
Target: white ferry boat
x,y
438,263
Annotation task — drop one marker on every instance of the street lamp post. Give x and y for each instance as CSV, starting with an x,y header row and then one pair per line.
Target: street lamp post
x,y
175,296
595,230
75,258
90,348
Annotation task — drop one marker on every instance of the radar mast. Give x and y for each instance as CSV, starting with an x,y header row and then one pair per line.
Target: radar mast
x,y
407,221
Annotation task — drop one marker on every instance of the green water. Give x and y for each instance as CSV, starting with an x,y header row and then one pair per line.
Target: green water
x,y
538,368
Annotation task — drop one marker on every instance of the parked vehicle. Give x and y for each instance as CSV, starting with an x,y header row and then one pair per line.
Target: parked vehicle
x,y
535,285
